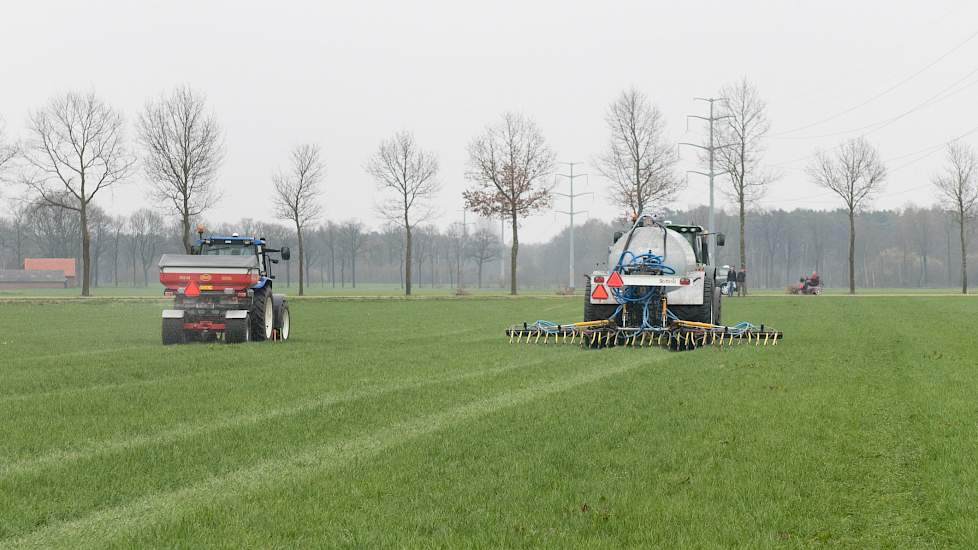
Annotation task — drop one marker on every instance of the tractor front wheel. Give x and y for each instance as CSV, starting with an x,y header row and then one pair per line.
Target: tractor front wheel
x,y
284,322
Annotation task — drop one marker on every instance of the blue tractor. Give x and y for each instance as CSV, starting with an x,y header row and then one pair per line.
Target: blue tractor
x,y
223,290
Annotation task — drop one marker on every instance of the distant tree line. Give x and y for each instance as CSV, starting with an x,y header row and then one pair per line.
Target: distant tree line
x,y
76,146
908,248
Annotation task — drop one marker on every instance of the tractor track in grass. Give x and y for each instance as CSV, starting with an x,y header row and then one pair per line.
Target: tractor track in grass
x,y
186,430
422,340
94,529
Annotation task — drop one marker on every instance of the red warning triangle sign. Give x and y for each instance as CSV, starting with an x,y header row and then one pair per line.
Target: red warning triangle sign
x,y
614,281
599,293
192,289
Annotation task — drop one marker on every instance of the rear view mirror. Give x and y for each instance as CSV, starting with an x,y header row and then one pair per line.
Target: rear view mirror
x,y
286,253
616,236
721,239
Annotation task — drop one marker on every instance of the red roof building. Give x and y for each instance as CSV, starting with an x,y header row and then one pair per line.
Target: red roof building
x,y
67,265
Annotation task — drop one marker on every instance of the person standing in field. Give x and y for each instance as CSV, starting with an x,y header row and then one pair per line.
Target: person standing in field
x,y
742,282
731,281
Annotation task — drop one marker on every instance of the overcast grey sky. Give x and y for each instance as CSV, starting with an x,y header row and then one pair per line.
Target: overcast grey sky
x,y
347,74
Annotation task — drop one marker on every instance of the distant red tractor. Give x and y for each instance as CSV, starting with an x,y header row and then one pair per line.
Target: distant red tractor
x,y
223,290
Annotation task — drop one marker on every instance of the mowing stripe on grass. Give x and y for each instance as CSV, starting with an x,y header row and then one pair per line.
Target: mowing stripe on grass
x,y
93,529
186,430
31,376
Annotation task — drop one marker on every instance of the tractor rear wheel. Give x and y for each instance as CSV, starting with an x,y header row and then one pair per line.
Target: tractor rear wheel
x,y
596,312
238,331
173,332
262,315
708,312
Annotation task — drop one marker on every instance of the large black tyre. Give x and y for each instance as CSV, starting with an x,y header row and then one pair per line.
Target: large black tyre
x,y
284,321
173,332
596,312
262,314
283,318
237,331
708,312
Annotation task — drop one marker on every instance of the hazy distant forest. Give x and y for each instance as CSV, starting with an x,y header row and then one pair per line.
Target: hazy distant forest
x,y
76,145
908,248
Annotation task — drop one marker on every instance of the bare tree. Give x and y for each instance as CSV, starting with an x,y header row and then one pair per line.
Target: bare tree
x,y
407,173
639,160
183,147
508,163
741,135
352,234
144,225
117,227
456,237
856,174
481,248
76,149
958,185
297,195
8,150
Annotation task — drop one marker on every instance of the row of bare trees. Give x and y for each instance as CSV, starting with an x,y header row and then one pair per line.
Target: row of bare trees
x,y
855,173
911,247
76,148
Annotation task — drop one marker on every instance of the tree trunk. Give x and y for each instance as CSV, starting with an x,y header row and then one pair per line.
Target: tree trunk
x,y
353,269
512,255
743,244
86,251
480,274
964,256
332,264
302,279
947,264
185,226
407,257
852,251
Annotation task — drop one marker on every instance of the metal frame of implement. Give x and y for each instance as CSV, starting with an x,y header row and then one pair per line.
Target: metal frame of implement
x,y
677,335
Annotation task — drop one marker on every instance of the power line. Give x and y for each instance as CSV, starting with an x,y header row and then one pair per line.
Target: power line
x,y
878,125
886,91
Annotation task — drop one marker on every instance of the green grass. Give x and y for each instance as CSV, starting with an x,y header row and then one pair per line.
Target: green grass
x,y
416,424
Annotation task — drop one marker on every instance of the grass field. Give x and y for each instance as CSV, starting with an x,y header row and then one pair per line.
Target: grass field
x,y
415,424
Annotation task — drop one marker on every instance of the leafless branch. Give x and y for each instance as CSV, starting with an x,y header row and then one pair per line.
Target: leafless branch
x,y
297,194
639,160
76,148
183,148
508,165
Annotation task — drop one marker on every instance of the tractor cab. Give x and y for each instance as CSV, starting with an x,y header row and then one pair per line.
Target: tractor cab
x,y
697,238
235,245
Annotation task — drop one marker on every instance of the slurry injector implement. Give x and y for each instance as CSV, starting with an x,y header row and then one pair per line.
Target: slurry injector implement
x,y
223,289
661,291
